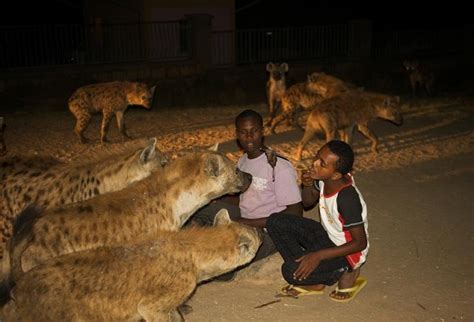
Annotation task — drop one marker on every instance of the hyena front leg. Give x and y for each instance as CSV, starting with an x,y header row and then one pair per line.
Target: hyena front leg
x,y
107,116
308,135
364,129
121,124
82,120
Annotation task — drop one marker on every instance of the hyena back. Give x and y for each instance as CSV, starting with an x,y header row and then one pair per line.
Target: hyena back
x,y
276,87
307,95
420,77
47,183
144,281
343,112
109,99
163,201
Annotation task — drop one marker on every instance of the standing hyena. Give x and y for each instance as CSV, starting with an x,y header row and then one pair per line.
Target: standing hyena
x,y
341,113
51,183
108,99
306,95
144,281
420,77
276,87
142,210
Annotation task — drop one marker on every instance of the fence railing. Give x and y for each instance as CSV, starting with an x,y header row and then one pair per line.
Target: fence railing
x,y
32,46
49,45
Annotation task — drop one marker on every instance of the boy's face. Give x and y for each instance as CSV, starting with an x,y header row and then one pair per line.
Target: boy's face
x,y
250,135
323,167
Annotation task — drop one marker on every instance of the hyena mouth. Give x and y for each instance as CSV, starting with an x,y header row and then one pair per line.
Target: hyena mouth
x,y
245,182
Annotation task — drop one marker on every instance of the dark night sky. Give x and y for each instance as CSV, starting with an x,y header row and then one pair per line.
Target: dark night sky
x,y
272,13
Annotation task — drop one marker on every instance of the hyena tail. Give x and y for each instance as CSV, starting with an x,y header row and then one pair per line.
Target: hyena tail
x,y
11,261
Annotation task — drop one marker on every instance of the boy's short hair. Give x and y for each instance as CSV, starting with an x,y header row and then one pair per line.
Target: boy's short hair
x,y
249,114
345,155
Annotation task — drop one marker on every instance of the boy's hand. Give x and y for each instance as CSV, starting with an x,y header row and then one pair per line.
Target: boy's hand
x,y
306,179
308,263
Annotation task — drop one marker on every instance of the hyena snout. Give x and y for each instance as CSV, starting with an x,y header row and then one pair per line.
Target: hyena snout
x,y
244,180
277,75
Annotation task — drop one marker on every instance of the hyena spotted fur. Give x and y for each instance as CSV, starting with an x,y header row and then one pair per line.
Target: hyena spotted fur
x,y
145,281
50,183
108,99
419,77
343,112
307,95
163,201
276,87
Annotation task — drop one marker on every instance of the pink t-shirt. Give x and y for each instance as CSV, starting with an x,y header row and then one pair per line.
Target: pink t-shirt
x,y
265,196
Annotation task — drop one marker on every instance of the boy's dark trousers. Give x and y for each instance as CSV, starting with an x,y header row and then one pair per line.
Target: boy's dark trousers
x,y
296,236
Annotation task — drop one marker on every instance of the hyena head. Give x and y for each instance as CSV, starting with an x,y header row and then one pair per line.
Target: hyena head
x,y
222,174
390,110
228,245
411,65
277,71
141,94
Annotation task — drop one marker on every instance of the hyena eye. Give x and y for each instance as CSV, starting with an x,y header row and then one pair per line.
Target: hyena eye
x,y
144,97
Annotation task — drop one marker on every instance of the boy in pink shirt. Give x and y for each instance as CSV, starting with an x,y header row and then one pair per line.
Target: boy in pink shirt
x,y
274,187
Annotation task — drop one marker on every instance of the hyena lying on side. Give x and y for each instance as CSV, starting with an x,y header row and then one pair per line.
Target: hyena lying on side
x,y
163,201
108,99
276,87
420,77
306,95
47,185
341,113
145,281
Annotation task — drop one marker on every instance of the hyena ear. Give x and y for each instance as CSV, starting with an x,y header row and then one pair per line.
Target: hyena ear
x,y
222,218
149,151
152,90
214,148
212,166
285,67
244,245
270,67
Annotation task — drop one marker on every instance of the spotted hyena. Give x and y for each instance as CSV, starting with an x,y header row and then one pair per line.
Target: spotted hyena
x,y
48,183
160,202
276,87
3,146
420,77
144,281
108,99
306,95
341,113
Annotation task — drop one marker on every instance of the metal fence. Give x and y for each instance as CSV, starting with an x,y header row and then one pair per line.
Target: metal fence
x,y
46,45
34,46
286,44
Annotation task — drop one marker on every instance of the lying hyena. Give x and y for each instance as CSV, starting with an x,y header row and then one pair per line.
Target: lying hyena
x,y
306,95
145,281
141,211
47,183
341,113
276,87
419,77
108,99
3,146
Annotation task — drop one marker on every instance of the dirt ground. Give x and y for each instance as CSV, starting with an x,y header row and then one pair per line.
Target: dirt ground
x,y
417,188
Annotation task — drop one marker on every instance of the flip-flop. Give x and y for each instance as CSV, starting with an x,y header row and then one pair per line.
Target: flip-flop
x,y
289,290
358,286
